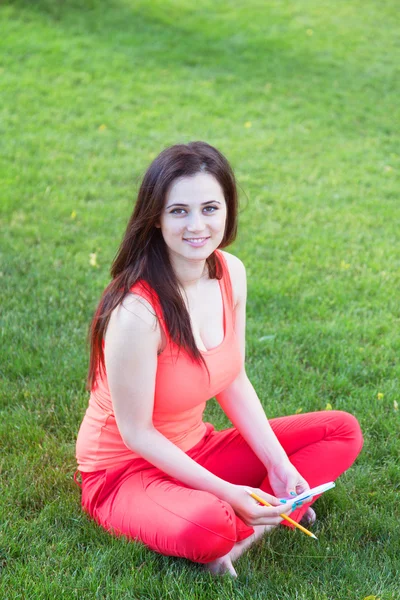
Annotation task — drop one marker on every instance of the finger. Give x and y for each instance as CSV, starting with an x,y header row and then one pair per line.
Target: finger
x,y
307,499
267,497
266,520
272,515
291,487
272,512
296,487
272,519
302,486
284,509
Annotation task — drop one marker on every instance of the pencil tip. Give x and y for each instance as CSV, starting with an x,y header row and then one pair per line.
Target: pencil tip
x,y
314,536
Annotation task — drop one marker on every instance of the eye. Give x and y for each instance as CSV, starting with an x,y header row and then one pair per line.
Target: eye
x,y
178,211
210,209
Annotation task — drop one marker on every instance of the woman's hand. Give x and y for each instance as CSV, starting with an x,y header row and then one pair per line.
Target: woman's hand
x,y
253,513
286,481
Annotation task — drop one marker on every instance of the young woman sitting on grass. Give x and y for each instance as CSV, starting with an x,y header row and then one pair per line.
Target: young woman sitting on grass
x,y
169,334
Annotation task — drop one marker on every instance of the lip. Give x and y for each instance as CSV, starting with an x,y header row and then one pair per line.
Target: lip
x,y
197,242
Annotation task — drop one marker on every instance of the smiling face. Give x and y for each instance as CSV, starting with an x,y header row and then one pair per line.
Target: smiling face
x,y
193,218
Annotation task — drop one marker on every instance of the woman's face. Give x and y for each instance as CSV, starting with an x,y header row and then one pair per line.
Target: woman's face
x,y
193,218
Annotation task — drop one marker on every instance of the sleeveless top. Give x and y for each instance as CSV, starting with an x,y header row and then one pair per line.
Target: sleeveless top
x,y
182,389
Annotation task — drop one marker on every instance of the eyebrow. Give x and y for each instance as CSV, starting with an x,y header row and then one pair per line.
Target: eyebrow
x,y
202,204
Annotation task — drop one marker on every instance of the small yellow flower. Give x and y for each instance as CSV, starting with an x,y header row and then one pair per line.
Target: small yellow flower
x,y
102,127
73,214
344,265
328,406
93,259
298,411
309,32
248,124
395,405
380,396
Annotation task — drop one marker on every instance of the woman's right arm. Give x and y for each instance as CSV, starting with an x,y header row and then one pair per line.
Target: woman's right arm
x,y
132,341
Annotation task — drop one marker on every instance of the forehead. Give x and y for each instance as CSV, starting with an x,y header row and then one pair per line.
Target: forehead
x,y
201,187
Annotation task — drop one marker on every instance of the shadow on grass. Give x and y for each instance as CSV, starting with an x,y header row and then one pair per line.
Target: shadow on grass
x,y
175,37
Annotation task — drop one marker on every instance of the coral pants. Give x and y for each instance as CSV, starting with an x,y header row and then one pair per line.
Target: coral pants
x,y
141,502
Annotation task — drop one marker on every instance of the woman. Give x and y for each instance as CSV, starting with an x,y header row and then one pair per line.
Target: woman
x,y
169,334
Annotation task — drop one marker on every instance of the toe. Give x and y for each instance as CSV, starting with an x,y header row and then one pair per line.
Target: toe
x,y
309,516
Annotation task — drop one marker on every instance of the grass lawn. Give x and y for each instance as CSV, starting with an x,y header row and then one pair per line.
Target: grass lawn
x,y
303,98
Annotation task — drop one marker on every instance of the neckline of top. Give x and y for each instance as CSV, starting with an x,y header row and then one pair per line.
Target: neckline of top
x,y
223,283
224,300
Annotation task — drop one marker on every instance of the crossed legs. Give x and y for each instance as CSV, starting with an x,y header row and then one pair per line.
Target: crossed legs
x,y
173,519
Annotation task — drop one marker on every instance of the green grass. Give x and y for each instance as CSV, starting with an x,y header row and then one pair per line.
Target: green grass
x,y
303,98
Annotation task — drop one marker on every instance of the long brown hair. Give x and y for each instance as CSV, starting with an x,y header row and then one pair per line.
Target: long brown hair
x,y
143,255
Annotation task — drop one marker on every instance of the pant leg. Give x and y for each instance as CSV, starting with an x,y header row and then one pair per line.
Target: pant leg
x,y
227,455
145,504
321,445
168,517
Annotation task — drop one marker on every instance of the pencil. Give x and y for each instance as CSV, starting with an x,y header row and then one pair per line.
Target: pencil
x,y
288,519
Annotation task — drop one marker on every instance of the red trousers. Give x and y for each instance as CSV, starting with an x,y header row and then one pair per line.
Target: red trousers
x,y
141,502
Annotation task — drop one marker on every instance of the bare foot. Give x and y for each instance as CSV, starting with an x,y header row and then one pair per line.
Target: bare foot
x,y
223,565
309,516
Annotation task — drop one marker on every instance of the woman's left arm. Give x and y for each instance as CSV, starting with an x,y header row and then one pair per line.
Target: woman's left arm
x,y
242,406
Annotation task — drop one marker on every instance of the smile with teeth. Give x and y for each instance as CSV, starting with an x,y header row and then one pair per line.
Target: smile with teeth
x,y
196,241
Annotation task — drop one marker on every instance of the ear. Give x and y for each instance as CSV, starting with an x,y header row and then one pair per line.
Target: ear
x,y
157,225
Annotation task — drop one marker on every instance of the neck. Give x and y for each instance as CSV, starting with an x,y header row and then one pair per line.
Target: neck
x,y
188,272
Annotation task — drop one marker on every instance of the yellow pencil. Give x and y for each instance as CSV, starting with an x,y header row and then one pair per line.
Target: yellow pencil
x,y
288,519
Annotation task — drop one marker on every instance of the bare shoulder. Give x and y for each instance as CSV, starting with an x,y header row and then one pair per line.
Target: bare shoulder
x,y
236,267
237,271
133,315
131,346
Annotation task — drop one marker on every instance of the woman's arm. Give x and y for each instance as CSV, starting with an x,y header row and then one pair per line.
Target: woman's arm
x,y
243,408
132,340
131,345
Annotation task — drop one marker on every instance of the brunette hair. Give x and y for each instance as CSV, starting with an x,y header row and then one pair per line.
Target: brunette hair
x,y
143,255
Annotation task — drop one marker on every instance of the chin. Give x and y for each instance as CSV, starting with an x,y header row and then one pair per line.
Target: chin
x,y
190,253
199,254
204,251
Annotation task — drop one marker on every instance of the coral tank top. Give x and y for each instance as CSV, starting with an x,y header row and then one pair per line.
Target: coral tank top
x,y
181,391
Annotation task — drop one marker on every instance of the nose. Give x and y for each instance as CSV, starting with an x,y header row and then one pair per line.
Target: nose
x,y
196,222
